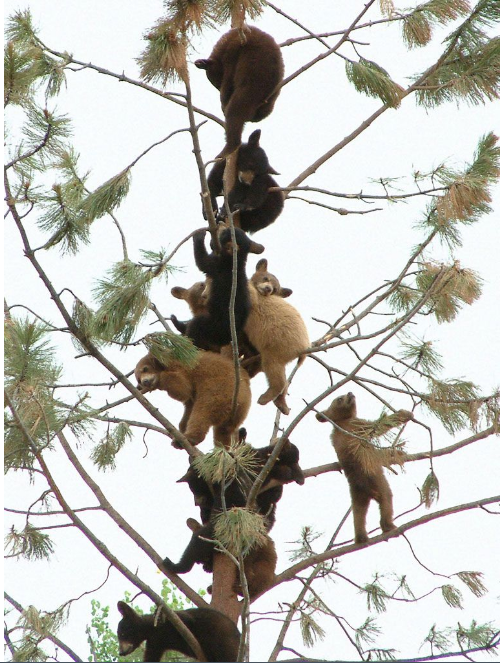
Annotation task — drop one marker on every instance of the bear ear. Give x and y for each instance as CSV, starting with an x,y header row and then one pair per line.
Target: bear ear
x,y
254,138
256,248
178,292
193,524
261,266
125,610
202,64
285,292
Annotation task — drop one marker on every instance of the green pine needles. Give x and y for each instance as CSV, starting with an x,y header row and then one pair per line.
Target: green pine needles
x,y
371,79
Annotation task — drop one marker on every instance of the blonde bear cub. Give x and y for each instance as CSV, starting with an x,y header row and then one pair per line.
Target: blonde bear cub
x,y
276,330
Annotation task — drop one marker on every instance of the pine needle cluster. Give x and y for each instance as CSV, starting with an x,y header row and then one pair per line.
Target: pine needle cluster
x,y
310,630
376,596
420,354
470,67
30,543
468,195
164,58
167,347
451,401
27,65
430,490
239,530
418,25
104,453
106,197
30,368
224,465
123,300
371,79
63,215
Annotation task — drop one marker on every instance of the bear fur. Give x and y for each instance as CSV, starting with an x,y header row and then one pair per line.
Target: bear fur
x,y
217,635
247,68
276,330
362,464
211,330
206,389
250,196
285,470
260,563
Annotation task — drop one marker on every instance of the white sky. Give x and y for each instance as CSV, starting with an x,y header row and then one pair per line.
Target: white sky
x,y
329,261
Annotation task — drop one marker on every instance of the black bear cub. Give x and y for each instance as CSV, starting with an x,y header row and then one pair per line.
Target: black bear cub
x,y
257,206
211,330
285,470
247,68
217,635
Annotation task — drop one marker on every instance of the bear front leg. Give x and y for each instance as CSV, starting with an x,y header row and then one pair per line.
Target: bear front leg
x,y
198,423
360,504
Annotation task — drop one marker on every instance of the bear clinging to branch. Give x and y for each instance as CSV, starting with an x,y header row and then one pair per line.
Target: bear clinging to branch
x,y
247,67
250,196
361,462
206,389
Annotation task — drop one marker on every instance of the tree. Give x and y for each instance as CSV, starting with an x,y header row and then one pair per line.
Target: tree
x,y
88,247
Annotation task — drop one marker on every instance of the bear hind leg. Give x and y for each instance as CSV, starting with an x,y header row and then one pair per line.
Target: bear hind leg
x,y
384,500
276,378
360,504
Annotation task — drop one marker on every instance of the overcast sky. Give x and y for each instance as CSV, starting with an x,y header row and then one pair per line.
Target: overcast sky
x,y
329,261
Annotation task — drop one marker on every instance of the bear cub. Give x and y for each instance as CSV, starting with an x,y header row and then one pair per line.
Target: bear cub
x,y
206,389
277,331
250,196
362,463
211,330
247,68
217,635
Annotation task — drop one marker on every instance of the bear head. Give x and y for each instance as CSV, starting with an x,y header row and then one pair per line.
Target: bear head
x,y
266,283
342,408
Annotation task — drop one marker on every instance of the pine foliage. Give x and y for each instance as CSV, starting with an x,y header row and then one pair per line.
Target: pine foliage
x,y
239,530
310,629
474,581
371,79
167,347
164,59
470,67
30,369
30,543
376,596
420,355
430,490
107,197
453,402
223,465
418,25
452,596
123,300
104,453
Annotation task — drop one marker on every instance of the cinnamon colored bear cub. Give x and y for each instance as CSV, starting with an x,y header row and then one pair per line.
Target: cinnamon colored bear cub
x,y
250,196
246,66
361,461
206,389
217,635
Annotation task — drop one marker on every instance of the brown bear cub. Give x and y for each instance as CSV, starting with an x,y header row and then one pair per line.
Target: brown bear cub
x,y
276,330
217,635
247,68
250,196
206,389
361,462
